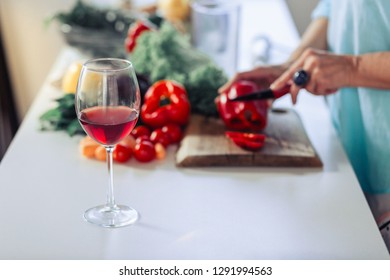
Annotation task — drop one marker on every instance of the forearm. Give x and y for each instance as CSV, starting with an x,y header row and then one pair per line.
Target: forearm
x,y
371,70
315,37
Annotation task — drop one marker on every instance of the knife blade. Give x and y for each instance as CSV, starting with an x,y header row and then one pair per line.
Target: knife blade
x,y
263,94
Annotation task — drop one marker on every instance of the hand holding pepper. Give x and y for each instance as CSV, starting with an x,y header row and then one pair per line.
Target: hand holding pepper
x,y
249,115
262,76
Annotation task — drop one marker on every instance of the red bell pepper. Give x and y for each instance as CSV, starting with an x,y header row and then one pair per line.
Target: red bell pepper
x,y
247,141
165,102
242,115
135,30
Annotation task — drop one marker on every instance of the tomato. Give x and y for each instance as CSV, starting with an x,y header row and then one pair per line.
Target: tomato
x,y
247,141
142,138
121,153
159,136
144,151
174,132
128,142
140,131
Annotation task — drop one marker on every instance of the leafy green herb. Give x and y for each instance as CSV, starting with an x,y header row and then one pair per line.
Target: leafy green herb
x,y
74,128
202,86
62,117
89,16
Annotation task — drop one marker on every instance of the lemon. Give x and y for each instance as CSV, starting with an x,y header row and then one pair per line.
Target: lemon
x,y
69,81
174,10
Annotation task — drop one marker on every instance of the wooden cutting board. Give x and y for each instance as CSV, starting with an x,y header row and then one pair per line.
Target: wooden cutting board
x,y
286,145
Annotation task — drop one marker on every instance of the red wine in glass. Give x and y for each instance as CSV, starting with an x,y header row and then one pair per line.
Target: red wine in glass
x,y
107,104
108,125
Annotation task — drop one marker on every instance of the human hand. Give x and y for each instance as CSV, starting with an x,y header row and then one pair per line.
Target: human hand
x,y
328,72
263,76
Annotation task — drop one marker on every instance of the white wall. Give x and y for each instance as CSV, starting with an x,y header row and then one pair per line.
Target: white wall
x,y
31,48
301,10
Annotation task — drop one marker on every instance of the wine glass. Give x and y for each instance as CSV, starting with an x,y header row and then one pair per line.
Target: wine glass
x,y
107,106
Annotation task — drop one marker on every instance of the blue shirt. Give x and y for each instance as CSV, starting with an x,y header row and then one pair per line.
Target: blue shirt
x,y
361,115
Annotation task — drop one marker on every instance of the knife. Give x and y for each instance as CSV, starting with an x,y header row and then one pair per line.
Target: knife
x,y
300,78
263,94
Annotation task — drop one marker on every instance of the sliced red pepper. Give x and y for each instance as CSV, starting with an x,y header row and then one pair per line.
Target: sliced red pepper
x,y
165,102
135,30
247,141
242,115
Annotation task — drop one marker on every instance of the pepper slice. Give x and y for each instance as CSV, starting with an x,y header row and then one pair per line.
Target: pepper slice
x,y
135,30
247,141
242,115
165,102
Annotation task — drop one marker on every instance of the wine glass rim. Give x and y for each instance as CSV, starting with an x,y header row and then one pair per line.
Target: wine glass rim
x,y
89,64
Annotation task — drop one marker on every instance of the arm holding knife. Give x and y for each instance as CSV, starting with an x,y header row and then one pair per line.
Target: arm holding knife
x,y
345,52
314,37
328,71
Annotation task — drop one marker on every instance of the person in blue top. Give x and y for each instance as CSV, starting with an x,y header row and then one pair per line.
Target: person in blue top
x,y
346,52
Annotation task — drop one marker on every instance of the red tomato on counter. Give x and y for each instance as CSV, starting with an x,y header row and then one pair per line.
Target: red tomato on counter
x,y
174,132
140,130
144,151
159,136
121,153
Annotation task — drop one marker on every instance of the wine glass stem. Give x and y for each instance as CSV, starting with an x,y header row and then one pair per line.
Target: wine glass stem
x,y
110,193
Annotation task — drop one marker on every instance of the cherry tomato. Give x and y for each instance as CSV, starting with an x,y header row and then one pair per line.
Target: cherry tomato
x,y
128,142
142,138
140,131
121,153
158,136
144,151
174,132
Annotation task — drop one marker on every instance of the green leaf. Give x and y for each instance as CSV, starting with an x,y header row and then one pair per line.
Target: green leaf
x,y
67,101
62,117
53,115
74,128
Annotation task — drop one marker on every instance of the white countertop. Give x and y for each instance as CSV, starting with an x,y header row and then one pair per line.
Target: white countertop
x,y
188,213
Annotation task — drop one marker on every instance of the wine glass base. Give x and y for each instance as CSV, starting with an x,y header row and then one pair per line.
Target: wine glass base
x,y
111,217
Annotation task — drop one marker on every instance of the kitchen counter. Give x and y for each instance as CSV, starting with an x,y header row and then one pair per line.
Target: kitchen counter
x,y
186,213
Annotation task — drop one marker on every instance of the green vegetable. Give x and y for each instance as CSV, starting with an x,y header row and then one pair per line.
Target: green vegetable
x,y
89,16
202,85
62,117
168,54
